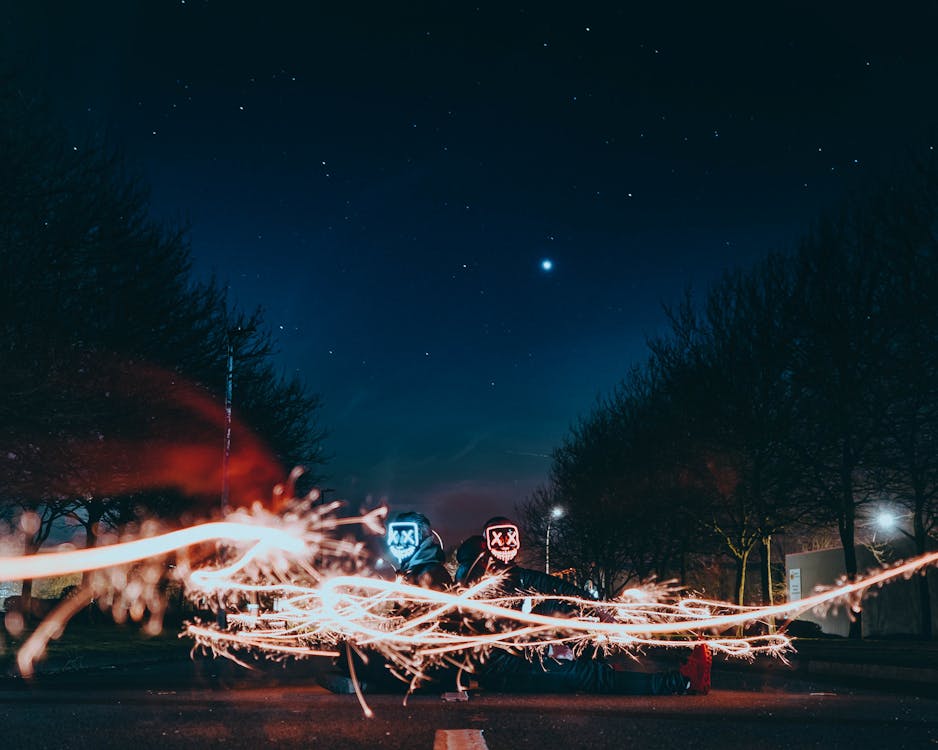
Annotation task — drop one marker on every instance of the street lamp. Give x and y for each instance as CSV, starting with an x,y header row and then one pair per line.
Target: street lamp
x,y
555,512
233,337
889,522
886,520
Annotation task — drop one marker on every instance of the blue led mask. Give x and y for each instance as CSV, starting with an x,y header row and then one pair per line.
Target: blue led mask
x,y
403,539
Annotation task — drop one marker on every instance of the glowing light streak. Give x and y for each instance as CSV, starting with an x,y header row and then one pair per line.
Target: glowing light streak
x,y
339,605
50,564
263,641
364,611
350,607
32,649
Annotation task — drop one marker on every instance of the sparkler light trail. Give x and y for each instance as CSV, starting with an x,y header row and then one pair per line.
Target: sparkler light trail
x,y
125,576
364,610
76,561
305,609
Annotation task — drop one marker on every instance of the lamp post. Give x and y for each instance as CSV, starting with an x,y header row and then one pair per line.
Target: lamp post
x,y
887,521
233,336
555,512
320,499
226,457
892,523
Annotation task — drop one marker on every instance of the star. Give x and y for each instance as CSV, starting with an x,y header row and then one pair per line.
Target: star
x,y
547,265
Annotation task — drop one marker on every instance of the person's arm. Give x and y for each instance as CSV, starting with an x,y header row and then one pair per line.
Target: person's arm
x,y
535,581
540,583
433,577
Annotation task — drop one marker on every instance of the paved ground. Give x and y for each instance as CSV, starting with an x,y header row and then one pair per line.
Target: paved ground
x,y
895,666
307,717
833,694
208,703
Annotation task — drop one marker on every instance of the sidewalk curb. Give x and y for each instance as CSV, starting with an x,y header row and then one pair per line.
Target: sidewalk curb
x,y
878,667
892,673
82,663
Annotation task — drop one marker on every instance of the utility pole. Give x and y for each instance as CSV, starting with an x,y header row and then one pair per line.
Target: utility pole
x,y
233,336
555,512
320,500
229,383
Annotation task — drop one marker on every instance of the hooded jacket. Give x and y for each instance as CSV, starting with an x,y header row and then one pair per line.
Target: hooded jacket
x,y
425,567
475,562
528,581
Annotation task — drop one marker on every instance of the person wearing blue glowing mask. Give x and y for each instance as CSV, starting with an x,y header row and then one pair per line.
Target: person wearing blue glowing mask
x,y
418,551
419,554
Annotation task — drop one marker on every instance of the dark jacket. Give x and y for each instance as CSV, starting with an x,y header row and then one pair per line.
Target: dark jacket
x,y
521,581
528,581
471,559
425,567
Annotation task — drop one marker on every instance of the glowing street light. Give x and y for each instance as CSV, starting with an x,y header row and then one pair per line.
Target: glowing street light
x,y
890,522
886,520
555,512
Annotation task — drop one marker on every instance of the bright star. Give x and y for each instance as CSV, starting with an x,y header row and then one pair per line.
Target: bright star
x,y
547,264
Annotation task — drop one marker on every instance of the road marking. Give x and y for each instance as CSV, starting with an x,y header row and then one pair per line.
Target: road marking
x,y
459,739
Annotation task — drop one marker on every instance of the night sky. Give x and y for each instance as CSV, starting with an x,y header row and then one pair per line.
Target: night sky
x,y
387,180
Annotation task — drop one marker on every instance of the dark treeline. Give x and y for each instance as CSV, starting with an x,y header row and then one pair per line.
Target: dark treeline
x,y
114,360
799,395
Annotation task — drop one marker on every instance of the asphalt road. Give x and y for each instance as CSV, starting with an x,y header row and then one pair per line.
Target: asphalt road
x,y
207,705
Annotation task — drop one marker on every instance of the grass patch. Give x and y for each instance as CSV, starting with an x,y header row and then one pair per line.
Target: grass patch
x,y
83,641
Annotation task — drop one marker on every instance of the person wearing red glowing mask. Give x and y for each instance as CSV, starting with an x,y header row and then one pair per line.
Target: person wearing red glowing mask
x,y
494,553
501,543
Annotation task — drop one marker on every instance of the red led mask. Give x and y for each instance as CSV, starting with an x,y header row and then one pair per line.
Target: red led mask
x,y
503,541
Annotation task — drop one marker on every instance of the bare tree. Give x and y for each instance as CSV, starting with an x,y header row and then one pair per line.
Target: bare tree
x,y
907,458
841,341
114,357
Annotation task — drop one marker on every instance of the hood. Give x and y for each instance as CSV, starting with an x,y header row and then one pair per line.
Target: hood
x,y
429,551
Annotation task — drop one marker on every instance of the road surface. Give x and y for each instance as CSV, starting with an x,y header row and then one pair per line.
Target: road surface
x,y
166,707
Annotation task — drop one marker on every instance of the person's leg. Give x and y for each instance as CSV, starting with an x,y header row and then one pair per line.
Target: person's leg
x,y
692,677
697,669
506,672
509,673
370,672
592,676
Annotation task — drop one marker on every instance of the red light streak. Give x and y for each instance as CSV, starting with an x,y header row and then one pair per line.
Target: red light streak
x,y
175,446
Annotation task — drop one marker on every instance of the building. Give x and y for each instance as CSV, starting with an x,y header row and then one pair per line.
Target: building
x,y
892,610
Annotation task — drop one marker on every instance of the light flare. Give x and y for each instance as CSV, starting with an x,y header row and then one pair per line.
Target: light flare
x,y
48,564
313,593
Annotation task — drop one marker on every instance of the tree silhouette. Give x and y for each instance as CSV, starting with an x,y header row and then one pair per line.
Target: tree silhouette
x,y
111,394
799,394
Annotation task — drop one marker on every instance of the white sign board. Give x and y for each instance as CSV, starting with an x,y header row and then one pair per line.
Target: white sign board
x,y
794,585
